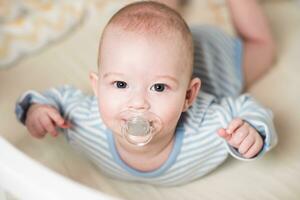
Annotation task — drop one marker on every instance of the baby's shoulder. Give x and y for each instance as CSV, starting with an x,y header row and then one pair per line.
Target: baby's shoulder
x,y
69,92
204,100
75,99
200,107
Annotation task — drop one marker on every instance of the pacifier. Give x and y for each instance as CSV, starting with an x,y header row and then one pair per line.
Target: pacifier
x,y
139,128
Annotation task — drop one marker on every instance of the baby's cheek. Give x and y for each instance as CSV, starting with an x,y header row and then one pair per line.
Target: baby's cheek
x,y
108,110
170,115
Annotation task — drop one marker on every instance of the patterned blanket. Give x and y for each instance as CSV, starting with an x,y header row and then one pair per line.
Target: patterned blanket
x,y
29,25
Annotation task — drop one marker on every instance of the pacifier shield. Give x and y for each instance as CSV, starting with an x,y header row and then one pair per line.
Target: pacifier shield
x,y
139,128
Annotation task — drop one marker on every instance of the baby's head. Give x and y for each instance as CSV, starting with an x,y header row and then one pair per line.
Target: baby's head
x,y
152,22
145,66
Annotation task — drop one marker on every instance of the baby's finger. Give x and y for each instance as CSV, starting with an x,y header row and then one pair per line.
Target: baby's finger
x,y
246,144
66,124
255,148
48,125
59,120
239,136
234,124
56,117
38,127
222,133
37,135
34,132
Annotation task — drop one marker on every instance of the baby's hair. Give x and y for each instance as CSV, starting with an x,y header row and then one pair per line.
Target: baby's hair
x,y
155,19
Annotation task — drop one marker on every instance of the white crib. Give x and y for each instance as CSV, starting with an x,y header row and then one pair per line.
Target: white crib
x,y
26,179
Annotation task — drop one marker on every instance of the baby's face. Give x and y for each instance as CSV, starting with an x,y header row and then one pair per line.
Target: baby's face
x,y
146,75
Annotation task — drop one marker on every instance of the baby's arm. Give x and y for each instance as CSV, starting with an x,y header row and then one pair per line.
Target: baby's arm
x,y
42,119
43,112
255,121
259,46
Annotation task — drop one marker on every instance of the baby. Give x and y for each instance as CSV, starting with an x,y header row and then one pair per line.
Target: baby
x,y
147,120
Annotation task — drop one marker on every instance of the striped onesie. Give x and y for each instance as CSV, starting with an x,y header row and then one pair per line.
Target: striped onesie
x,y
197,149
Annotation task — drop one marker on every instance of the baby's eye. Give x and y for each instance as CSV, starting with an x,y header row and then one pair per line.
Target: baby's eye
x,y
120,84
158,87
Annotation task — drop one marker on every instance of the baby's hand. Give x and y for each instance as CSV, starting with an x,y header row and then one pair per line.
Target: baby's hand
x,y
41,119
242,136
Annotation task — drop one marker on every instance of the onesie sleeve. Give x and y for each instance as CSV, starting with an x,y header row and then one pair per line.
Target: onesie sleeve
x,y
259,117
60,98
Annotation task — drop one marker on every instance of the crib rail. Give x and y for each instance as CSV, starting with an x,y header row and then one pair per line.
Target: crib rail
x,y
27,179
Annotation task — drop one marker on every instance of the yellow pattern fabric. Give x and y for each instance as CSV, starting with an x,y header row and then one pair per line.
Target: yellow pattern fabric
x,y
29,25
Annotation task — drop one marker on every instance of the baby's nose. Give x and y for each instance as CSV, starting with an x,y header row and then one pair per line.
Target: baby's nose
x,y
138,101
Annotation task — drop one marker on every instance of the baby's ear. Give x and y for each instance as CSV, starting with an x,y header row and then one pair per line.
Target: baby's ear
x,y
94,82
192,93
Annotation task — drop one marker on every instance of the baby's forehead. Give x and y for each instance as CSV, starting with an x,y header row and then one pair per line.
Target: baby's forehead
x,y
149,21
167,50
116,38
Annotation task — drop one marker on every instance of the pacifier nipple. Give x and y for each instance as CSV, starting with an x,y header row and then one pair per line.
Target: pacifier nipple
x,y
138,129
